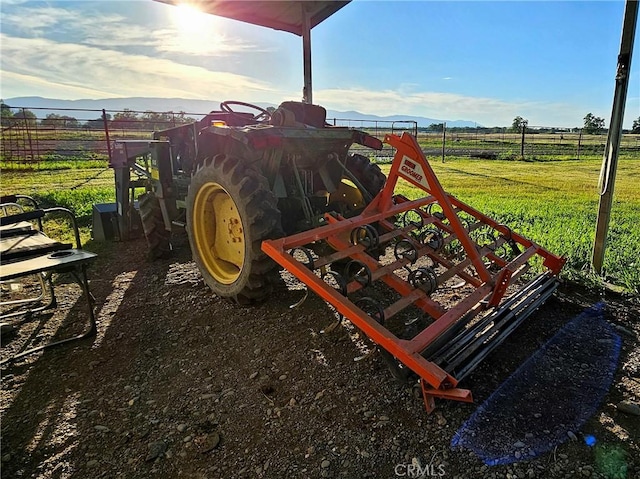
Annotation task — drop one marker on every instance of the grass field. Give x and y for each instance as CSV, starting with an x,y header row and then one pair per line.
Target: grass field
x,y
74,188
553,203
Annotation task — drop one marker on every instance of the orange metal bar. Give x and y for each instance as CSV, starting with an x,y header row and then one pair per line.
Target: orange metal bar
x,y
422,340
429,394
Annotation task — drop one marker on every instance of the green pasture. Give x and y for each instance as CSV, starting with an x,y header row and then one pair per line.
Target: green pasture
x,y
41,148
73,188
55,162
537,146
555,204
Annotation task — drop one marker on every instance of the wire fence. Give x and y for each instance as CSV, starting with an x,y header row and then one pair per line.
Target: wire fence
x,y
535,143
35,136
31,136
377,128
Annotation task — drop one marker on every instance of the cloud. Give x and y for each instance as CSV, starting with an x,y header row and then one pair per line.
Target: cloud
x,y
169,39
26,84
37,21
450,106
115,73
439,105
119,32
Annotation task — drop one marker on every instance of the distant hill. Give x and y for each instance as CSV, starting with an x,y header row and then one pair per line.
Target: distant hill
x,y
52,105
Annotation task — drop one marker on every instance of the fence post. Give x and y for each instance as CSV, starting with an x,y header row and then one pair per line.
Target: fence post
x,y
28,132
106,132
37,135
579,143
524,129
444,139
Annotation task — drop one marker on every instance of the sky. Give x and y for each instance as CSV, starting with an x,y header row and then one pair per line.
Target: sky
x,y
550,62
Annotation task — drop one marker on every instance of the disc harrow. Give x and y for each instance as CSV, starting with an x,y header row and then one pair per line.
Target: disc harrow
x,y
472,280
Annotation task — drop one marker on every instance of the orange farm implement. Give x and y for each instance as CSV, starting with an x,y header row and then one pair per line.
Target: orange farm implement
x,y
475,279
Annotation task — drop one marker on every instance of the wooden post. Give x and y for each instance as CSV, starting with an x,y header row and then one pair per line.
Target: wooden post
x,y
28,132
579,143
106,132
524,129
444,139
37,135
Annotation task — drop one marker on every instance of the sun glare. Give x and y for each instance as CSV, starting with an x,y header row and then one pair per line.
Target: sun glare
x,y
188,17
197,32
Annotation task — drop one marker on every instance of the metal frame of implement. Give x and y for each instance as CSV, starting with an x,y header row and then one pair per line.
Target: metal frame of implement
x,y
459,337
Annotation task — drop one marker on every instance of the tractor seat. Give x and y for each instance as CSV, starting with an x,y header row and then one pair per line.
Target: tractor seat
x,y
295,113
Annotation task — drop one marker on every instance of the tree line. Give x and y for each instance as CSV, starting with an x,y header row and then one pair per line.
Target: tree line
x,y
149,120
126,119
593,125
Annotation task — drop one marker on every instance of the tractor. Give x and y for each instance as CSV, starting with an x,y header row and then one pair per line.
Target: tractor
x,y
241,175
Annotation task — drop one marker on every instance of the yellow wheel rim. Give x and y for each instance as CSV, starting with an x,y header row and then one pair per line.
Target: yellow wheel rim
x,y
218,233
349,193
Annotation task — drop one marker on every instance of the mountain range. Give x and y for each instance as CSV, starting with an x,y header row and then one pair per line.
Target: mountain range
x,y
45,106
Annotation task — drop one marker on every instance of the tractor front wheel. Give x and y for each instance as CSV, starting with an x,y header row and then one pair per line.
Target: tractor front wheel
x,y
158,237
230,211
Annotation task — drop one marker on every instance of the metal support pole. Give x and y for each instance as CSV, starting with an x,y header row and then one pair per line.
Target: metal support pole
x,y
610,159
123,180
307,95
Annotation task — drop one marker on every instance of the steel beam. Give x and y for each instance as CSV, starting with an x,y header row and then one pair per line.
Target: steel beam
x,y
610,159
307,93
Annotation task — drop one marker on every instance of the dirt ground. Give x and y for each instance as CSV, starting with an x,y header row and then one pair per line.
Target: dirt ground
x,y
179,383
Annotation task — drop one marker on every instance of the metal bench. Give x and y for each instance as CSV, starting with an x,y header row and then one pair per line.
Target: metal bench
x,y
10,205
25,250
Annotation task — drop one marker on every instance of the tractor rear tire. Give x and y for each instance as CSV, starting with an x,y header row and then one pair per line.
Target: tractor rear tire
x,y
367,173
230,211
158,238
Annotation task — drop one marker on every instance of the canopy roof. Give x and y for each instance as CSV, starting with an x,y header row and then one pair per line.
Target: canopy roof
x,y
287,16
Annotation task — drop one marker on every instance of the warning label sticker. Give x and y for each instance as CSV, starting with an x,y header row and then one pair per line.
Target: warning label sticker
x,y
413,171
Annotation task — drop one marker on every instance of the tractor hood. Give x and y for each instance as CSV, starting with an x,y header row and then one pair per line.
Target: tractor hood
x,y
287,16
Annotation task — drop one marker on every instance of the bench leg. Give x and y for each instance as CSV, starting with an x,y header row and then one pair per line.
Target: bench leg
x,y
81,279
45,284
